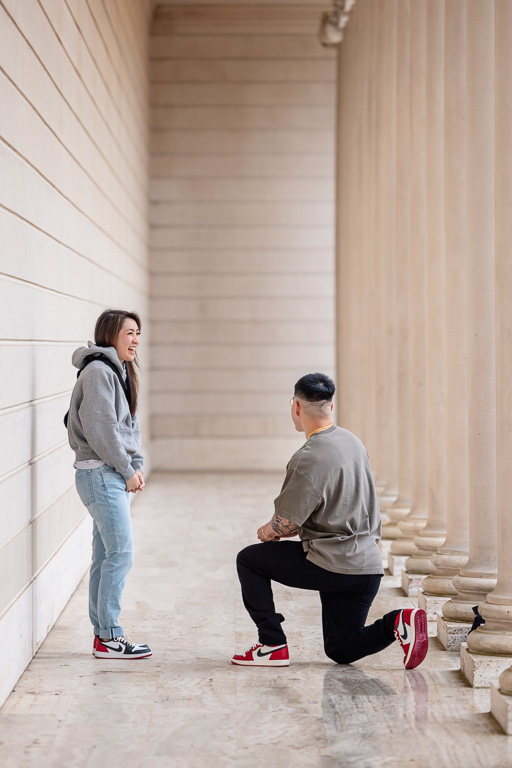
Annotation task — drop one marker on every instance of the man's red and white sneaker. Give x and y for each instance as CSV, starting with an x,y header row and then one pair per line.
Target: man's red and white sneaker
x,y
411,633
264,656
120,648
96,638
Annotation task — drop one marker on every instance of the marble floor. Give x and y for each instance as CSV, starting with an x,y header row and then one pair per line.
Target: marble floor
x,y
187,706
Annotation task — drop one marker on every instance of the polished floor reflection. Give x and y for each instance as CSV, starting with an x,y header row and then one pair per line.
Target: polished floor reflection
x,y
187,706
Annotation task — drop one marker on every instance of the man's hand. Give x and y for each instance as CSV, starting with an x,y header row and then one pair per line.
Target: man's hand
x,y
265,533
133,484
141,478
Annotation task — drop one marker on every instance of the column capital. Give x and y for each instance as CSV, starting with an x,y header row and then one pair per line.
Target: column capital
x,y
333,23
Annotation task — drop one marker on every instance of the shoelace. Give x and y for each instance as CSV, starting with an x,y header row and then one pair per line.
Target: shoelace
x,y
125,640
257,645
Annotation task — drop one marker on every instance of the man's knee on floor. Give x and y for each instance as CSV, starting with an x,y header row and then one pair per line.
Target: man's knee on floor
x,y
340,658
339,655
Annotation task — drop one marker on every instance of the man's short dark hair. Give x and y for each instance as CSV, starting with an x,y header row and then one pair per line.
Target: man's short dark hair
x,y
315,387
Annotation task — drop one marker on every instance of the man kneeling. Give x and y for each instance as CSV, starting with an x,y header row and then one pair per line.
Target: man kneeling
x,y
328,498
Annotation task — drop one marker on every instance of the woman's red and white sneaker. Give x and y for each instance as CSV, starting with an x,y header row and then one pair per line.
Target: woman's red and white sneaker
x,y
120,648
264,656
411,633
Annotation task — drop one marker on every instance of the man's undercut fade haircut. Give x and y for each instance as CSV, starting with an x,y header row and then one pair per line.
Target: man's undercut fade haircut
x,y
315,388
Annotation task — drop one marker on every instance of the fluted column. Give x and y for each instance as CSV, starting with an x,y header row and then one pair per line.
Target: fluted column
x,y
416,518
375,18
367,296
478,577
348,392
495,636
387,408
401,507
453,555
433,534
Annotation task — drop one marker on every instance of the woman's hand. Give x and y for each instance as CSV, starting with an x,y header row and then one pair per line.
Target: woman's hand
x,y
141,478
133,484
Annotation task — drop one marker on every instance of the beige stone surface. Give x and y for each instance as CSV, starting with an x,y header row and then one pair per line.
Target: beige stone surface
x,y
73,217
433,534
452,556
396,563
495,636
431,604
411,582
452,633
482,670
478,577
384,546
501,708
188,705
242,228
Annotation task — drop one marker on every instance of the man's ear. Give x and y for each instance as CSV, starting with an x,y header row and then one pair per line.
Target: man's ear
x,y
332,405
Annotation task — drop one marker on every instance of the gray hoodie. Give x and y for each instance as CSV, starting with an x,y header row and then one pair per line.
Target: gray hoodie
x,y
100,425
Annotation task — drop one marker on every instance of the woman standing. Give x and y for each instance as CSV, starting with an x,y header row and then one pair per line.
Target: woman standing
x,y
104,433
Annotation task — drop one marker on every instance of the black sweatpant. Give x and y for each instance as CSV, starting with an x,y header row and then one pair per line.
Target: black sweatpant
x,y
345,599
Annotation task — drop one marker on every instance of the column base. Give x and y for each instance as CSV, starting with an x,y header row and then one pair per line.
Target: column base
x,y
418,563
385,546
431,623
411,582
452,633
459,611
386,499
384,518
501,708
431,604
398,511
441,585
482,671
390,530
396,563
403,546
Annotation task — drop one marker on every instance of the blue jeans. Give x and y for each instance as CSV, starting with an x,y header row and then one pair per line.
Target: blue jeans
x,y
103,491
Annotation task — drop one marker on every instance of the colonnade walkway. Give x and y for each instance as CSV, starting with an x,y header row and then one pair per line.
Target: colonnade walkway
x,y
187,706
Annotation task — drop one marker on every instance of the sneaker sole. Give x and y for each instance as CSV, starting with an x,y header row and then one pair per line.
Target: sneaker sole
x,y
124,657
419,644
277,663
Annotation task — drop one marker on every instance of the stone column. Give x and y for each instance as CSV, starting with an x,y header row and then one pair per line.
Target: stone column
x,y
347,194
416,518
495,637
453,555
386,256
367,58
359,95
433,534
401,507
478,577
387,407
375,18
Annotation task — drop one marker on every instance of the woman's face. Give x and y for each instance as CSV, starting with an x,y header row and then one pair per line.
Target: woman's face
x,y
128,340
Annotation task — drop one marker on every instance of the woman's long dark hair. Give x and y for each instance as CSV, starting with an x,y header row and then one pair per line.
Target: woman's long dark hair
x,y
108,327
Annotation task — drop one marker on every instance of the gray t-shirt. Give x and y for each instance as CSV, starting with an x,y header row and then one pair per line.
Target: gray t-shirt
x,y
329,493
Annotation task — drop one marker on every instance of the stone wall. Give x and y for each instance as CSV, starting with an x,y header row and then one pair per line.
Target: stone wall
x,y
73,222
242,197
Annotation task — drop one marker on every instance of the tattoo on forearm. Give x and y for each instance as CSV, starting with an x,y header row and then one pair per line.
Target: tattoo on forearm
x,y
281,526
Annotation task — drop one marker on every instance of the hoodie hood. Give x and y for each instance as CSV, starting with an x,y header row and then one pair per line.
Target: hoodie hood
x,y
81,353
